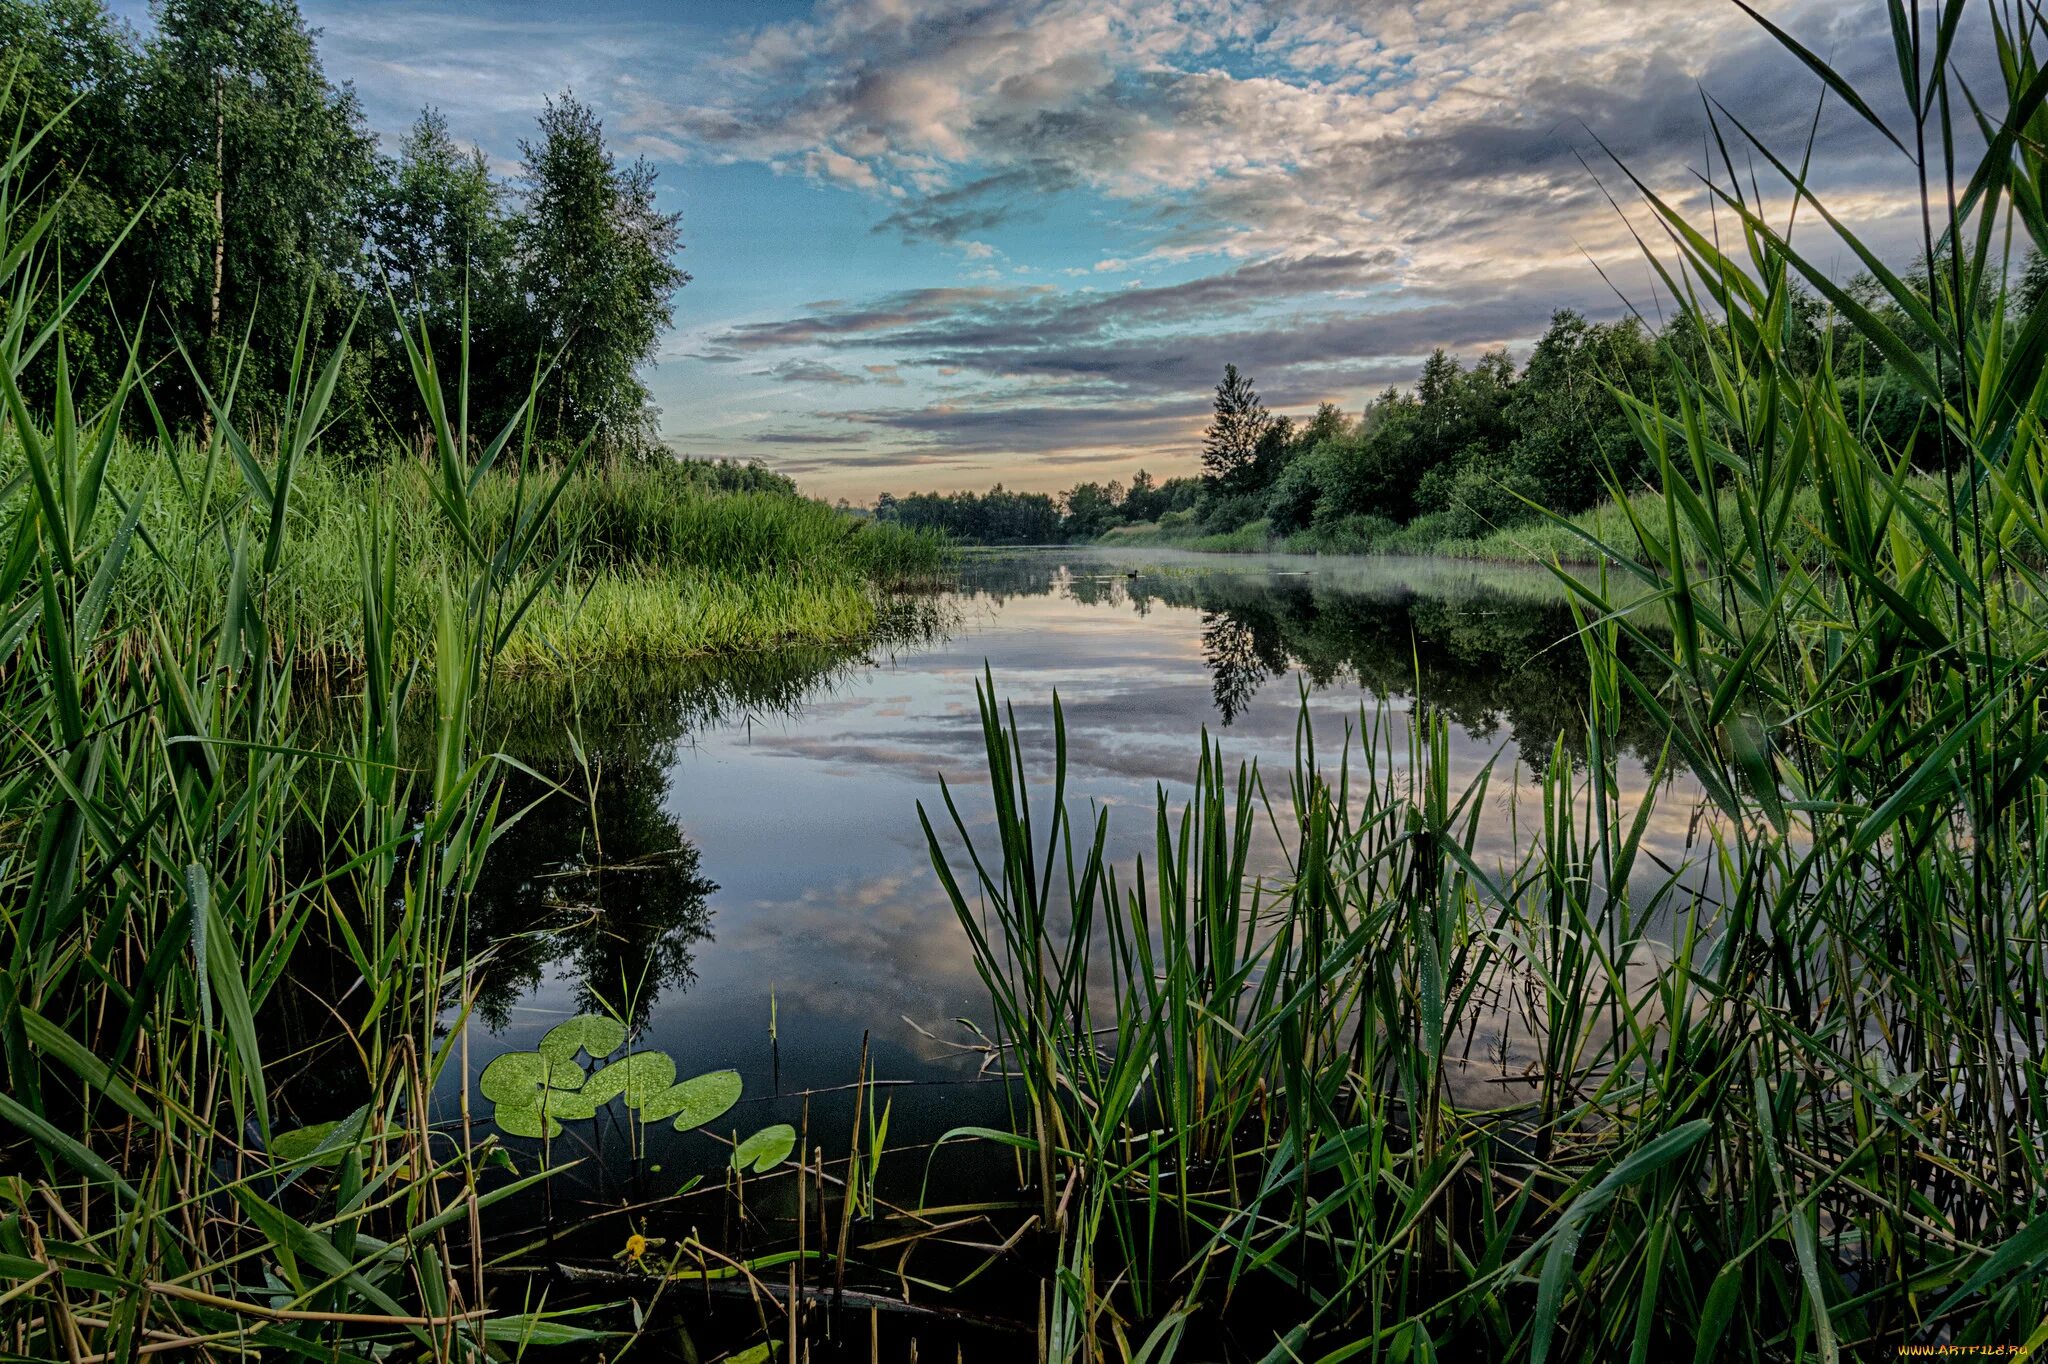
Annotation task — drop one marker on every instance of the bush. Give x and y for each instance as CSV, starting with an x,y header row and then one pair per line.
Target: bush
x,y
1221,514
1291,505
1476,495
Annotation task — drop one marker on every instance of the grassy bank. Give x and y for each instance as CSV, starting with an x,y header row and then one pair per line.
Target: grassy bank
x,y
1781,1097
634,564
1539,540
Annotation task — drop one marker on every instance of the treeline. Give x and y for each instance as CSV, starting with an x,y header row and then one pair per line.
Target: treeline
x,y
248,198
1466,450
1002,517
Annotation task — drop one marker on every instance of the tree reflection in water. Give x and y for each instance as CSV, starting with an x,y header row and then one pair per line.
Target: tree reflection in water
x,y
1491,648
598,881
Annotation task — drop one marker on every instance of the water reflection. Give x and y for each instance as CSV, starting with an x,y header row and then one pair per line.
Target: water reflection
x,y
600,883
598,886
1491,647
752,848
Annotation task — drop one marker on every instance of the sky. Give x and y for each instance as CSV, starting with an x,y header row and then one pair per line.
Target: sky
x,y
941,244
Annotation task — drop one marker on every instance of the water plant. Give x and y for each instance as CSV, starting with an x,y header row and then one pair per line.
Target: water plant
x,y
534,1092
1783,1097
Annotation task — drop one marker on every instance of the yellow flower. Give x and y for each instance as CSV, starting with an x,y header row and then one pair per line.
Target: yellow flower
x,y
636,1246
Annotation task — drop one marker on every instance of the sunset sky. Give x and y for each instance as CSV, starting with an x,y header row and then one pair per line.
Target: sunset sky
x,y
945,243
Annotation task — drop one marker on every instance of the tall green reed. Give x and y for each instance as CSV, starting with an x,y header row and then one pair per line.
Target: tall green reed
x,y
156,887
1778,1094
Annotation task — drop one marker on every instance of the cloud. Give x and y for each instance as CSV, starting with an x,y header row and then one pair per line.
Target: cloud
x,y
980,205
1161,339
803,438
808,372
1317,190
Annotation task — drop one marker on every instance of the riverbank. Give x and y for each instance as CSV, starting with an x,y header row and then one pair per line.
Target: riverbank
x,y
635,564
1542,540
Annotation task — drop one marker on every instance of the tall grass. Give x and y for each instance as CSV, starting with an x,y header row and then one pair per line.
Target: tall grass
x,y
1785,1097
176,837
653,567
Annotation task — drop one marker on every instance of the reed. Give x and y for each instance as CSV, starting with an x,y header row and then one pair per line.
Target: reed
x,y
1781,1096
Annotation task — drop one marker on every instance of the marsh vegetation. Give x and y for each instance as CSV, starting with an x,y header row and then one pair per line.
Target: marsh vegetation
x,y
1650,965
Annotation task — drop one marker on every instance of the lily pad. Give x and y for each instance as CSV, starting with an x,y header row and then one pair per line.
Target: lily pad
x,y
302,1142
639,1077
517,1077
695,1101
567,1105
594,1033
766,1149
525,1122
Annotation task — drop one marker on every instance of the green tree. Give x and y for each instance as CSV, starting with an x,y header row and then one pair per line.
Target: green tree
x,y
1230,446
270,171
1568,426
70,69
1090,509
598,275
440,240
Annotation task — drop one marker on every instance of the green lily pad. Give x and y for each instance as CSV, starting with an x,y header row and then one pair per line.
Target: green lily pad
x,y
517,1077
567,1105
525,1122
753,1354
639,1077
301,1142
766,1149
594,1033
695,1101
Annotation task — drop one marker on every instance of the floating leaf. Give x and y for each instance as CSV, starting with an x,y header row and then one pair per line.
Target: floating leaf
x,y
766,1149
753,1354
516,1121
695,1101
517,1077
302,1142
594,1033
567,1105
639,1077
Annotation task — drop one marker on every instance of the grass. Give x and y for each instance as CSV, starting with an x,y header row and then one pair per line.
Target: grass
x,y
190,841
1783,1097
1569,539
651,566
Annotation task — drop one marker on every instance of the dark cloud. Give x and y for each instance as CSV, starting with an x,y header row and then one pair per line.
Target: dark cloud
x,y
804,438
808,372
1175,338
980,205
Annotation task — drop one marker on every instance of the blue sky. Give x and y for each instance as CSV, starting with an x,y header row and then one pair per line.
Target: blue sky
x,y
945,243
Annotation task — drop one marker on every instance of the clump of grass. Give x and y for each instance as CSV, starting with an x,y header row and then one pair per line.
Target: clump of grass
x,y
651,566
168,845
1784,1096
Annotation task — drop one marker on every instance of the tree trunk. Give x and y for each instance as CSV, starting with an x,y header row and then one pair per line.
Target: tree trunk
x,y
220,231
220,244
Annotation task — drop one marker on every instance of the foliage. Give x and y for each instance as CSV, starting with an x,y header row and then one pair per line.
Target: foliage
x,y
241,183
596,274
996,517
1781,1096
1230,447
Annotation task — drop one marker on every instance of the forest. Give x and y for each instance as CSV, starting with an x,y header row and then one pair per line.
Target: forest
x,y
1466,451
230,194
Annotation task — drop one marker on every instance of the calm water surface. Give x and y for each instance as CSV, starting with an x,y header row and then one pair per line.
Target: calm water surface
x,y
750,850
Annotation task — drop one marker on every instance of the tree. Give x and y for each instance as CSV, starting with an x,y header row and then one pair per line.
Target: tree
x,y
272,168
598,275
1091,509
1230,446
71,72
1568,427
441,242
